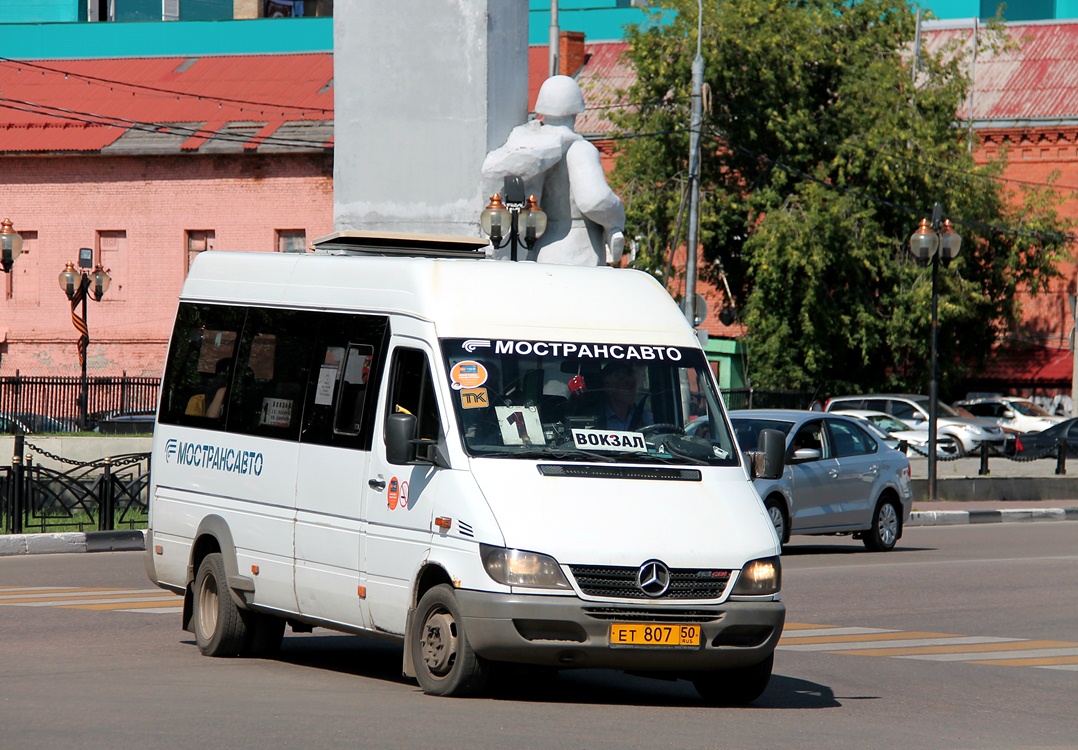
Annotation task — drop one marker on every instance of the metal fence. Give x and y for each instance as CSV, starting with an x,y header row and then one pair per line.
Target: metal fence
x,y
753,398
50,403
107,494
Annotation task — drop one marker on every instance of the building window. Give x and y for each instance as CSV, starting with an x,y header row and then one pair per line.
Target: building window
x,y
291,241
198,241
112,255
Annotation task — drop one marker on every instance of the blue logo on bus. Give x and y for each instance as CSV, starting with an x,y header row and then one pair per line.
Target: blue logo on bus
x,y
214,457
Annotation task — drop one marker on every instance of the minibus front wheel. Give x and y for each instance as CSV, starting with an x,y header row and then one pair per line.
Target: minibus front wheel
x,y
734,687
445,663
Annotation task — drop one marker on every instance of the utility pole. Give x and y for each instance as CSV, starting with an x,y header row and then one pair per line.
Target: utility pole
x,y
695,126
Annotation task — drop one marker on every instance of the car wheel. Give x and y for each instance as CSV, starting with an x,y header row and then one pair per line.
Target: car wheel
x,y
886,527
220,627
776,511
445,663
734,687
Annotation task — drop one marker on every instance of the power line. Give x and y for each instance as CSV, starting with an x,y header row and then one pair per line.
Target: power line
x,y
157,90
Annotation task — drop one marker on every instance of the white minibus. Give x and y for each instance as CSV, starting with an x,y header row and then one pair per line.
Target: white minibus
x,y
486,460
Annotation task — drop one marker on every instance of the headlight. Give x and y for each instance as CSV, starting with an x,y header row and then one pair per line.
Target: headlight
x,y
968,427
760,577
514,567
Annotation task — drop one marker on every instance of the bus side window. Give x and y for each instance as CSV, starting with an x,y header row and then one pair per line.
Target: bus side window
x,y
199,364
343,387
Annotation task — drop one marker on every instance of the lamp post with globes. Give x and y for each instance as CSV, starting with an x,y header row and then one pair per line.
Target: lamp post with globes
x,y
501,221
934,242
77,285
10,245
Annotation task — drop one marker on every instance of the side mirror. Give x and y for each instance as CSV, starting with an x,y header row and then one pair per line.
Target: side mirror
x,y
1008,414
769,460
400,432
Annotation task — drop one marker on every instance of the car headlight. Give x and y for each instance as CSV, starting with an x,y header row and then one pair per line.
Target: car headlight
x,y
760,577
514,567
968,428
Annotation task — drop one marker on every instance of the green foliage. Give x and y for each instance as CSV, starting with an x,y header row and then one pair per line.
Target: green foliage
x,y
821,155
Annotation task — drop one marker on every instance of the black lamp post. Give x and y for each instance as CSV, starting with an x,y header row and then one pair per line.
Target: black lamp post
x,y
499,216
10,245
931,243
76,285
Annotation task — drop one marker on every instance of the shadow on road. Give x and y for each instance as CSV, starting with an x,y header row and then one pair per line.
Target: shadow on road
x,y
379,660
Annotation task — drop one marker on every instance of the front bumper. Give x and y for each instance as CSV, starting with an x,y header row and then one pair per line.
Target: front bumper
x,y
568,632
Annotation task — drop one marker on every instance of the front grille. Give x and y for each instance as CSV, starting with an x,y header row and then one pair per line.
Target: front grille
x,y
628,614
620,582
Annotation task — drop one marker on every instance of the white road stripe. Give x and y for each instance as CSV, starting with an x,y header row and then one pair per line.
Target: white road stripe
x,y
907,643
832,631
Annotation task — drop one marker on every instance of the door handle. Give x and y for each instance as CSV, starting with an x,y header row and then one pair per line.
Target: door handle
x,y
376,484
832,472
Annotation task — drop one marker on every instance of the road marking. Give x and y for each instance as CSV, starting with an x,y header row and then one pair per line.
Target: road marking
x,y
930,646
100,599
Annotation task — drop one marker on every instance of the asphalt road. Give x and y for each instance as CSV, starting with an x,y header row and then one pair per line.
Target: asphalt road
x,y
963,637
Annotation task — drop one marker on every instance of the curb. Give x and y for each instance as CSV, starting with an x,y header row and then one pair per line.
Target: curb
x,y
959,517
74,541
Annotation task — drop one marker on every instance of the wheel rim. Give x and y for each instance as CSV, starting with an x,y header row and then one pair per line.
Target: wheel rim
x,y
778,520
207,606
438,642
888,525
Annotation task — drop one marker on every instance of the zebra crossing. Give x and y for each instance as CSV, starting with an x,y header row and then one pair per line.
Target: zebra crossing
x,y
930,646
830,639
157,601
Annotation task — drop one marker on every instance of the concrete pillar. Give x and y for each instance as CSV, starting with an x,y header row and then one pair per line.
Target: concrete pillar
x,y
422,92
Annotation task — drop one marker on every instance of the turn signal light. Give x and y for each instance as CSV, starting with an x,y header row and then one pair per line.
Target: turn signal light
x,y
443,523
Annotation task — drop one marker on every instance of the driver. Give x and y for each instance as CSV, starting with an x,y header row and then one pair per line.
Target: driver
x,y
623,407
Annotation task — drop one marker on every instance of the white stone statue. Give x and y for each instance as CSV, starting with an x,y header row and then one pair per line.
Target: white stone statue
x,y
585,219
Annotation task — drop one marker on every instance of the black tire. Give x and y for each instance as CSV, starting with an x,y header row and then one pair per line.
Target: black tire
x,y
734,687
264,635
776,510
445,663
220,626
886,527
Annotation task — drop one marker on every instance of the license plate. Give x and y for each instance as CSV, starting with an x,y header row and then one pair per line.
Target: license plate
x,y
649,634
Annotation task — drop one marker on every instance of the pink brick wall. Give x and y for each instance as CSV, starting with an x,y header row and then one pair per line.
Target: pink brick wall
x,y
63,203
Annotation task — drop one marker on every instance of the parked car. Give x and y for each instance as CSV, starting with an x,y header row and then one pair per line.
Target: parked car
x,y
839,479
1019,414
26,423
129,423
912,409
1043,443
893,431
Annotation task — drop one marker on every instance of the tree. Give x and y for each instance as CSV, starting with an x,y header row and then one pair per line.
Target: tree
x,y
822,153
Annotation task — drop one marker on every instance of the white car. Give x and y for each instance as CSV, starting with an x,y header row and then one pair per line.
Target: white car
x,y
1019,414
893,431
968,432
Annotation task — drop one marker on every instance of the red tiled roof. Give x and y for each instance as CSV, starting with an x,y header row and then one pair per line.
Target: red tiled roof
x,y
603,80
1036,80
87,105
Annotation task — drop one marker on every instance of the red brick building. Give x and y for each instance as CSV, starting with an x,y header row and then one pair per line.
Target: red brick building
x,y
148,162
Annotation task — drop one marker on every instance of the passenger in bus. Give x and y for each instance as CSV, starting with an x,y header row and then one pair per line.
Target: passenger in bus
x,y
210,402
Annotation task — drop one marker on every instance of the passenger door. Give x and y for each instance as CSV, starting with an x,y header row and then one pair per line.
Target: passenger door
x,y
858,471
813,484
338,425
399,498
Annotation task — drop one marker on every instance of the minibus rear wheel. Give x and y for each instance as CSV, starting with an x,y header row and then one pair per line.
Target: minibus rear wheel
x,y
220,629
445,663
734,687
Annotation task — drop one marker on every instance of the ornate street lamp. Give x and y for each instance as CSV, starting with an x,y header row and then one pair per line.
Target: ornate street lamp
x,y
77,284
501,221
931,243
10,245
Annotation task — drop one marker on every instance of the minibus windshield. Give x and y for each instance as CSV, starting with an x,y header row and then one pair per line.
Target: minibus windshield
x,y
578,400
